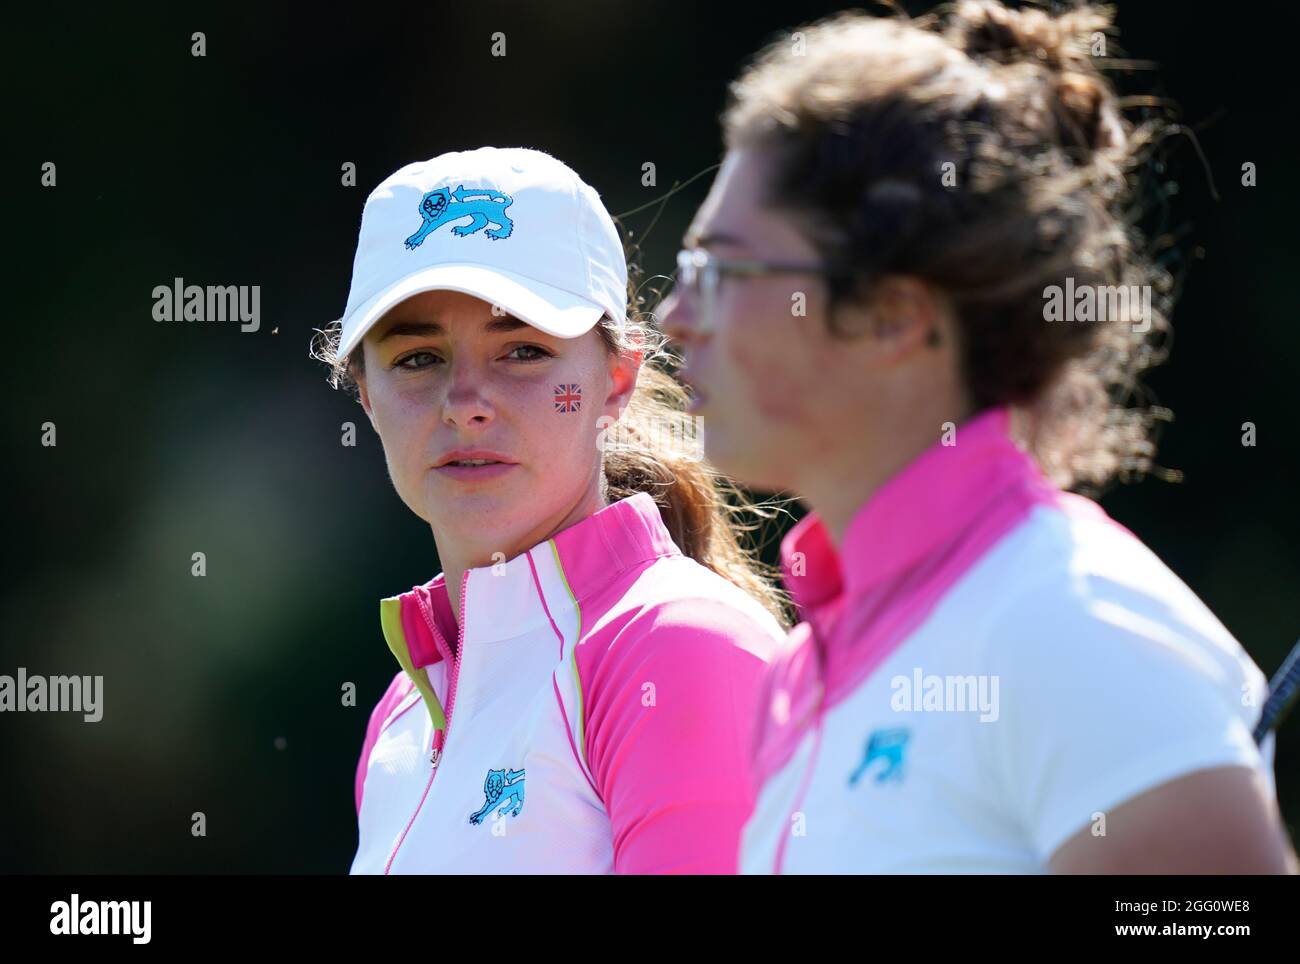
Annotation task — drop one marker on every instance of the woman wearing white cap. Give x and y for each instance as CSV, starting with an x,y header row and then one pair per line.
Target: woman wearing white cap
x,y
993,677
578,684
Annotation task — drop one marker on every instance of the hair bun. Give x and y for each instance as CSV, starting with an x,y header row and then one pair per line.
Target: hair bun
x,y
1089,107
986,28
1086,108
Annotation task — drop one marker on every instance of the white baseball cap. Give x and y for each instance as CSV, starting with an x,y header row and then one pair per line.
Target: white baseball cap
x,y
512,226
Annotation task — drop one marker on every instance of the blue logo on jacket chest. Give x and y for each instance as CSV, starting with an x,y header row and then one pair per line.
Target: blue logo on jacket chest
x,y
888,745
505,791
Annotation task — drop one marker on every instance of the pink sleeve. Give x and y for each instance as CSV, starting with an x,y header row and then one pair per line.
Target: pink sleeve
x,y
396,692
669,706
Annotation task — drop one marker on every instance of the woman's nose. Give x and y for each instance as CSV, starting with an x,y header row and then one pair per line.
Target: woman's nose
x,y
465,403
677,319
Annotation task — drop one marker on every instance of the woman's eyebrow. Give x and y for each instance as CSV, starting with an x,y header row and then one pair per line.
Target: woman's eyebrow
x,y
413,328
430,328
710,239
509,323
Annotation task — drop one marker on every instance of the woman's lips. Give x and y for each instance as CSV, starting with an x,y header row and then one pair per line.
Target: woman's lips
x,y
476,473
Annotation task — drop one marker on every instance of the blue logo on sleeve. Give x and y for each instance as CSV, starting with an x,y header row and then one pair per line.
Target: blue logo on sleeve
x,y
503,790
889,745
441,206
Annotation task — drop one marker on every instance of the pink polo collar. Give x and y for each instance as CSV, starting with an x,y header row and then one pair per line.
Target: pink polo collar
x,y
928,504
591,552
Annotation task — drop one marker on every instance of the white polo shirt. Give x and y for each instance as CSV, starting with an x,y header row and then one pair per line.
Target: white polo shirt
x,y
989,667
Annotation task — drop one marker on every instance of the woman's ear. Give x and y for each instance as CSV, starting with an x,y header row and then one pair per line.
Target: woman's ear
x,y
623,369
364,397
906,315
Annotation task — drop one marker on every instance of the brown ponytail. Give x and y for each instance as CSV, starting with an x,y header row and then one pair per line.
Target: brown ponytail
x,y
656,450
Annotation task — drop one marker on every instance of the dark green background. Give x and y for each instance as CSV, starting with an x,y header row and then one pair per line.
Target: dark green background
x,y
176,437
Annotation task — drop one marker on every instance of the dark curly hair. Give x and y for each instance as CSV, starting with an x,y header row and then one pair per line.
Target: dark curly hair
x,y
981,150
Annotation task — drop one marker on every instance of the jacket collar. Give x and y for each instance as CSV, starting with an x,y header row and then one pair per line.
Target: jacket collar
x,y
924,507
502,601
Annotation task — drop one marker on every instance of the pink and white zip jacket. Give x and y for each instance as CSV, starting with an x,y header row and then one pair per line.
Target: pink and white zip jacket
x,y
988,666
593,715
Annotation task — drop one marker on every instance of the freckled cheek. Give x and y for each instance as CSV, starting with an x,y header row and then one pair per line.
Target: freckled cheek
x,y
407,427
547,422
565,419
405,415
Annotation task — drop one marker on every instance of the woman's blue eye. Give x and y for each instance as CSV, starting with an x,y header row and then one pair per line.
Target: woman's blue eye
x,y
402,362
532,353
541,352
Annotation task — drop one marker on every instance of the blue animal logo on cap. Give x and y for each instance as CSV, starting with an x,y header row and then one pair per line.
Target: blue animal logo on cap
x,y
485,207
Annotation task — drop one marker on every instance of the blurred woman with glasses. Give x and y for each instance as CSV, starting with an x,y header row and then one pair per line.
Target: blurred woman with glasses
x,y
991,676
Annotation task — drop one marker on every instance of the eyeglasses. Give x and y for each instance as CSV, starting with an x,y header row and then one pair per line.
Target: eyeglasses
x,y
699,274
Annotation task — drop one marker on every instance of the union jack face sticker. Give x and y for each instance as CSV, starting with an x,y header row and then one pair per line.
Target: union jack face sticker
x,y
568,398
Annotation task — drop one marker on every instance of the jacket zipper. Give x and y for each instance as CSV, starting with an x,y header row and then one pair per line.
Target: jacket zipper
x,y
439,736
436,751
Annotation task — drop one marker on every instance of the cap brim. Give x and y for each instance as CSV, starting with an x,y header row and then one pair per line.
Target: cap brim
x,y
547,308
